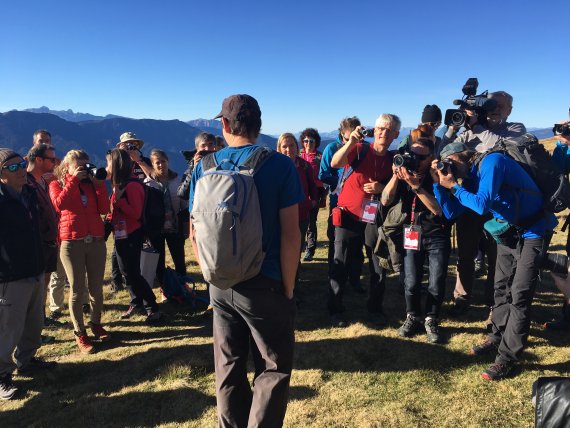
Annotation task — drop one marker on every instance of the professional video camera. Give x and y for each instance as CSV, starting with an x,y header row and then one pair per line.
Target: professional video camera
x,y
93,171
445,166
480,104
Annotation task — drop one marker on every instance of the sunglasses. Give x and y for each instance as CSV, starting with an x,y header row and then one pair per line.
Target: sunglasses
x,y
48,158
308,140
16,166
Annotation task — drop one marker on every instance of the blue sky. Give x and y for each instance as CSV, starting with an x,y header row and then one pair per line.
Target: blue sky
x,y
309,63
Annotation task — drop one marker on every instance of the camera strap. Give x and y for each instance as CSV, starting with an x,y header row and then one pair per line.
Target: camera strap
x,y
413,217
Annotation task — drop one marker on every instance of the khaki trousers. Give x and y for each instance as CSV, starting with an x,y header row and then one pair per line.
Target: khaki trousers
x,y
21,321
80,258
56,287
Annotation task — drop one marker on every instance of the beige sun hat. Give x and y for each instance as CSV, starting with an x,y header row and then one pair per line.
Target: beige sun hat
x,y
130,137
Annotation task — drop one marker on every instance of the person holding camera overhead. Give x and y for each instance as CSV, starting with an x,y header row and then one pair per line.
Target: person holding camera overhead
x,y
80,197
367,169
426,233
484,126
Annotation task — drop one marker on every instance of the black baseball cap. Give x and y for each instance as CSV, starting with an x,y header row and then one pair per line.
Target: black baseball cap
x,y
238,107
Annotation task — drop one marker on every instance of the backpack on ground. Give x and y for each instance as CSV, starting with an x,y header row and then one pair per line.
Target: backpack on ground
x,y
537,162
180,289
227,220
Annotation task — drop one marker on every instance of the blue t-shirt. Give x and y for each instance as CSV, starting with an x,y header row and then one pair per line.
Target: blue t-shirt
x,y
505,190
278,186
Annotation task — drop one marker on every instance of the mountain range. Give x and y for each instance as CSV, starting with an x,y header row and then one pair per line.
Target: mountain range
x,y
96,136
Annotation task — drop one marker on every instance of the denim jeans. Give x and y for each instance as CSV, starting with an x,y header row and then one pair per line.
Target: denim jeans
x,y
437,250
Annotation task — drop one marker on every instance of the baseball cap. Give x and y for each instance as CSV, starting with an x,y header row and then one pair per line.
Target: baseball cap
x,y
239,107
452,148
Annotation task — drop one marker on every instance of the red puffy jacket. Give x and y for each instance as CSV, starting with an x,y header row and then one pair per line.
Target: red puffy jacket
x,y
129,207
80,206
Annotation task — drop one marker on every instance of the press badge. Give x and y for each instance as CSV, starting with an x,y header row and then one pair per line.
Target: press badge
x,y
369,210
412,236
121,230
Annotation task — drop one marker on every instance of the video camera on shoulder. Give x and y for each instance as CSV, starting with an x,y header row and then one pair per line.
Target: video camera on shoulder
x,y
481,104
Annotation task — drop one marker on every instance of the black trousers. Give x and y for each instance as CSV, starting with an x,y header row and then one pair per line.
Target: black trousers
x,y
469,229
348,242
516,275
175,242
255,315
312,230
129,259
358,258
116,274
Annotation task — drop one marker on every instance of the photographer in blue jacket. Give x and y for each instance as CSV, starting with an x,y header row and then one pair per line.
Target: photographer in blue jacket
x,y
497,184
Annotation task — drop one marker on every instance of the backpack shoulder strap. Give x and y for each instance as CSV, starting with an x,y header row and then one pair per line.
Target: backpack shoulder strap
x,y
209,162
256,160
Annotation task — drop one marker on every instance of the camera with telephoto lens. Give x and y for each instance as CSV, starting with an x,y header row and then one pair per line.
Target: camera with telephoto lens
x,y
406,159
554,262
562,129
445,166
480,104
367,132
93,171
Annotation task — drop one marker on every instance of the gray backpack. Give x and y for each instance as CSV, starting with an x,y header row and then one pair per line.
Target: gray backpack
x,y
227,220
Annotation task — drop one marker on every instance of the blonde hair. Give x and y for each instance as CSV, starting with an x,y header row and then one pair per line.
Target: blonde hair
x,y
283,137
71,156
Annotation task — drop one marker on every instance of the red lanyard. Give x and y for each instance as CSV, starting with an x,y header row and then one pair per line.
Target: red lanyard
x,y
414,209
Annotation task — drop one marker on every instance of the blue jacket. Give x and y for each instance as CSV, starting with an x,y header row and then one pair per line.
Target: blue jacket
x,y
503,188
328,174
561,157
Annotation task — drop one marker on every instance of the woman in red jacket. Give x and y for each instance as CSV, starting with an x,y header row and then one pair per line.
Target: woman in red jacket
x,y
127,203
311,140
80,200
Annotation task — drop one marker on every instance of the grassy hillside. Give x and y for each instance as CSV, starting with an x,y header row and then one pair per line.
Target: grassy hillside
x,y
360,376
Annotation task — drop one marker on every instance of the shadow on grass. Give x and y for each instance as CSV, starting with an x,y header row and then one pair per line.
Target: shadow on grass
x,y
76,394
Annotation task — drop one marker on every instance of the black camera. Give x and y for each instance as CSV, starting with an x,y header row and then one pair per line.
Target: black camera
x,y
481,104
130,147
445,166
93,171
554,262
561,129
367,132
406,159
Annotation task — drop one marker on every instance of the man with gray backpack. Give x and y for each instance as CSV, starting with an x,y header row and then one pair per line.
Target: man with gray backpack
x,y
244,221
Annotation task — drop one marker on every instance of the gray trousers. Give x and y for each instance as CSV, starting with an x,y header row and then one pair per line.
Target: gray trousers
x,y
21,321
254,315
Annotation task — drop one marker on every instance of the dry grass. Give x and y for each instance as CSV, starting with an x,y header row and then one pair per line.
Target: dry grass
x,y
360,376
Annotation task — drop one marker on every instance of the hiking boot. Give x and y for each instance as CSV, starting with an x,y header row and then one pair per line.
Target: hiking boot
x,y
485,348
99,332
308,256
432,330
498,371
7,388
86,308
154,318
338,320
46,340
34,365
460,307
411,326
84,343
50,321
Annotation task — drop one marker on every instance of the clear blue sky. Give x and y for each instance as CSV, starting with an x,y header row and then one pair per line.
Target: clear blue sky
x,y
309,63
